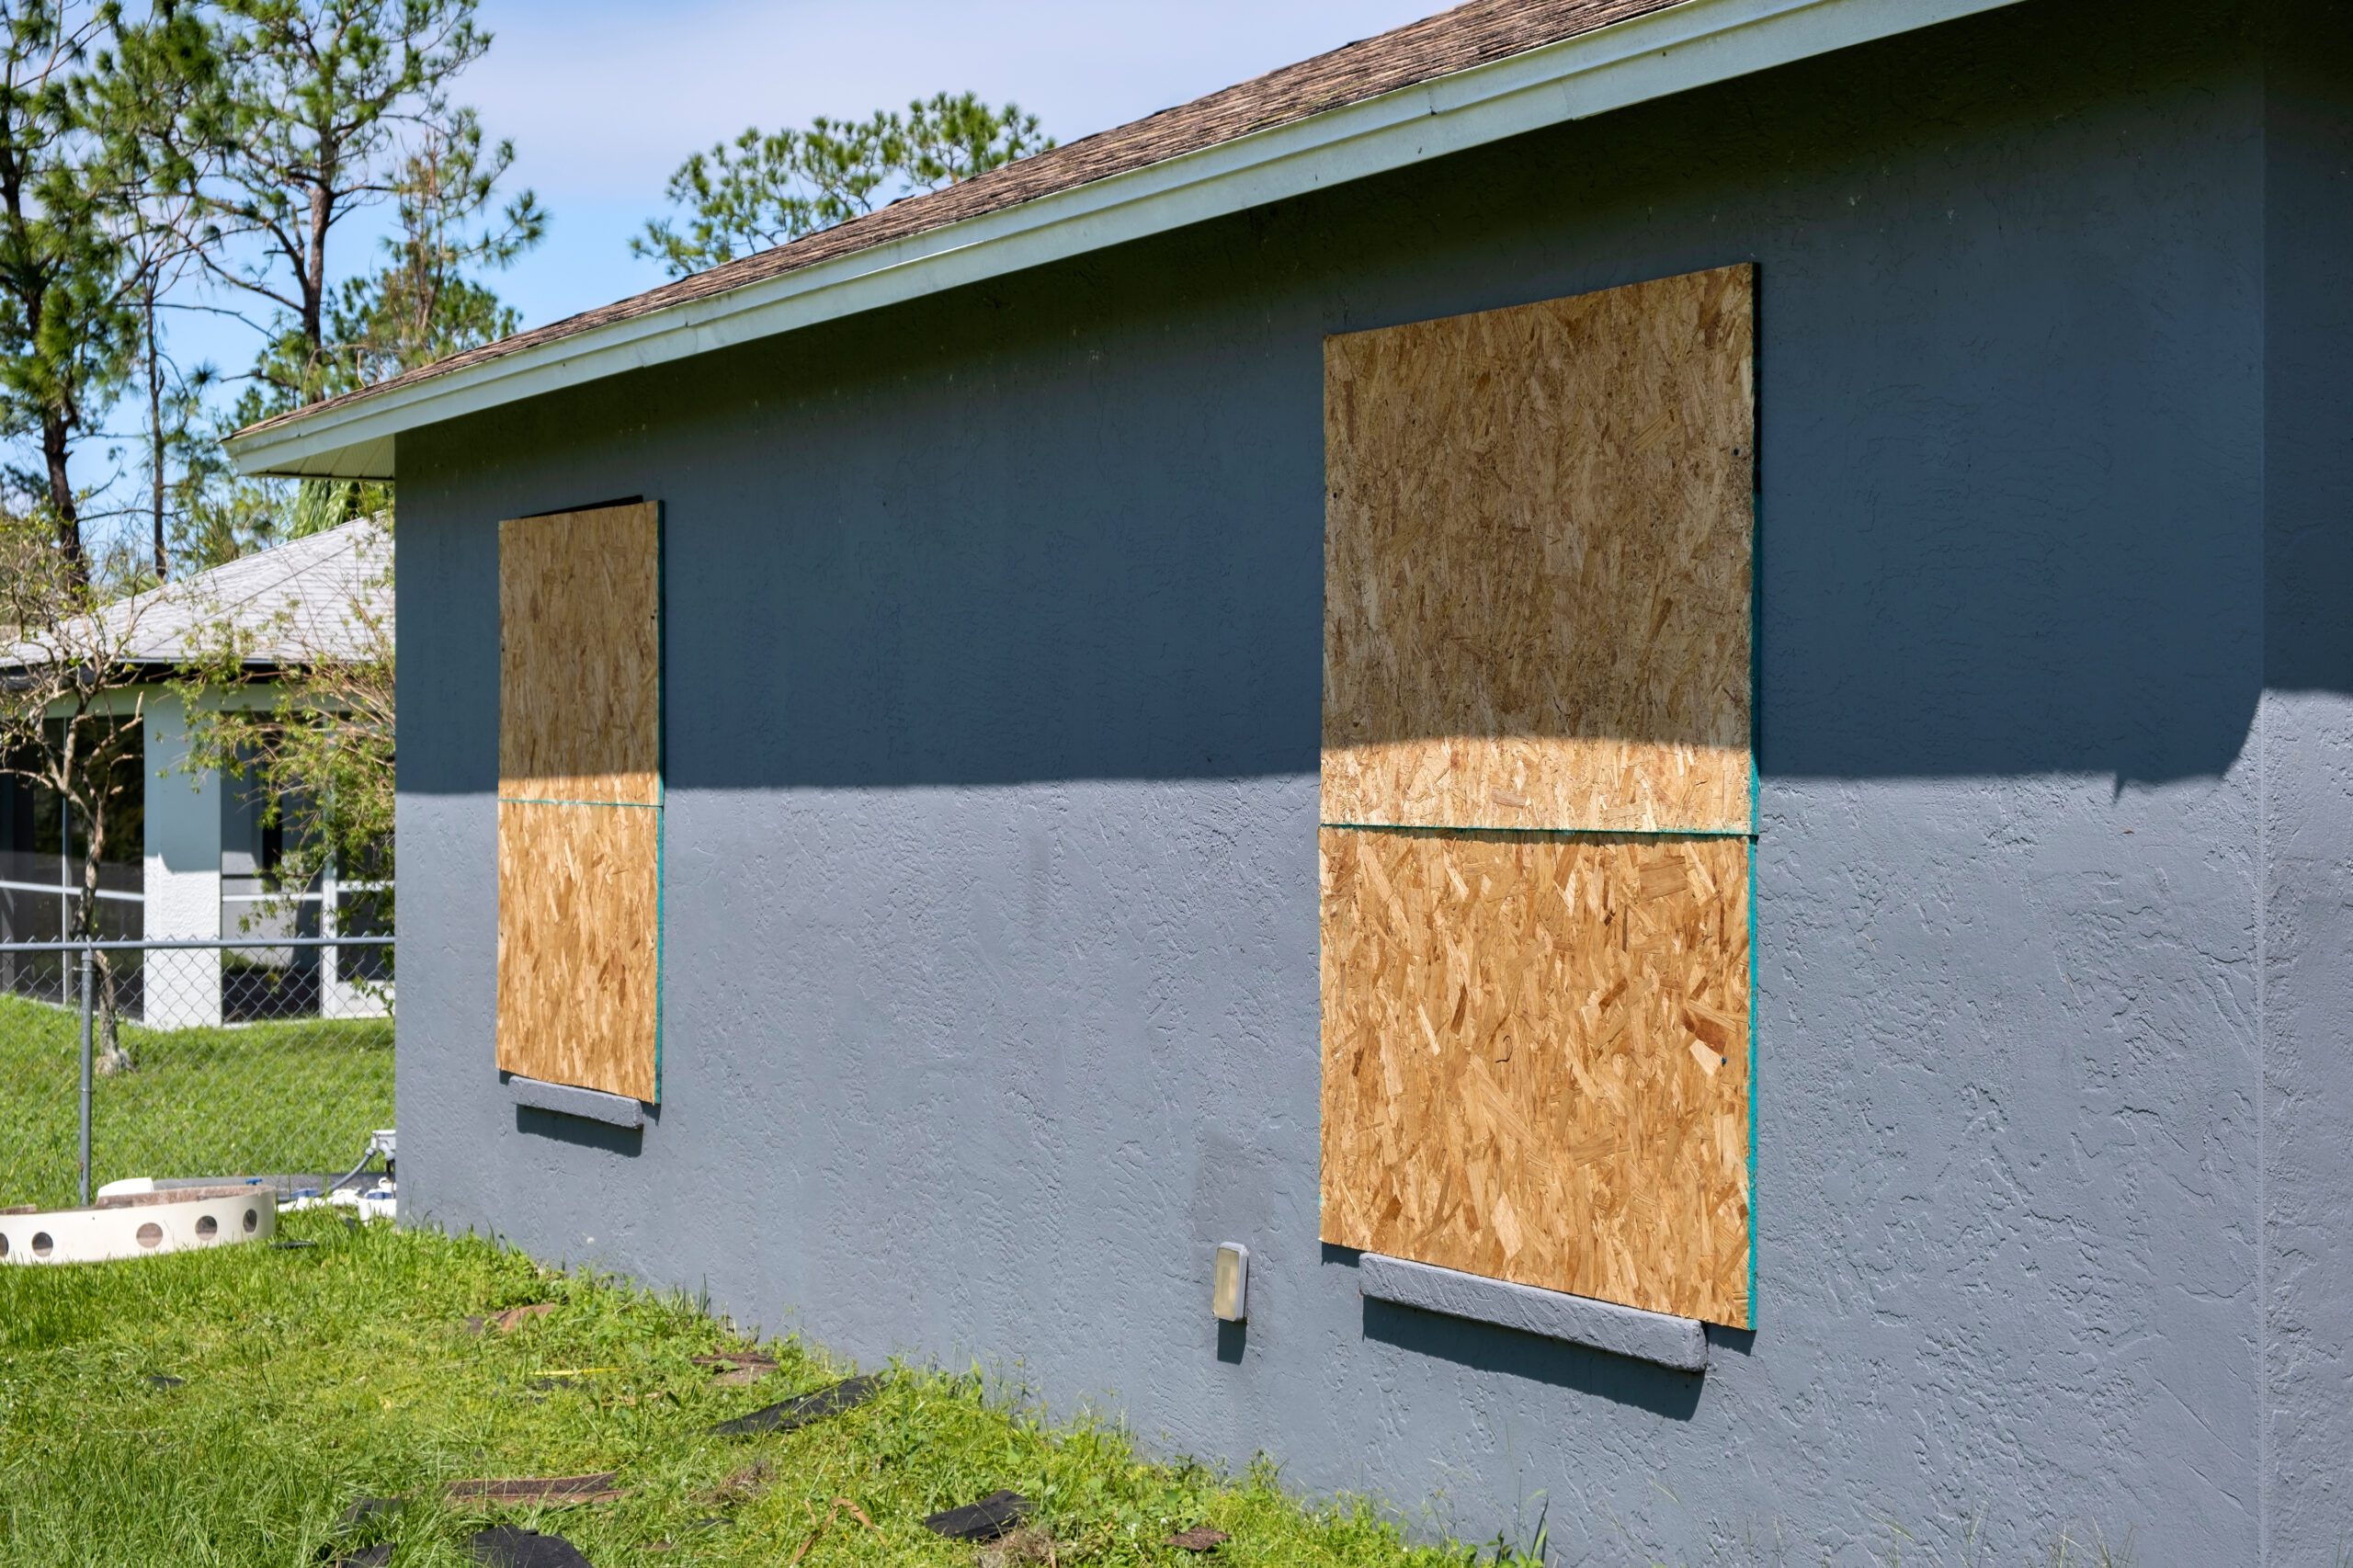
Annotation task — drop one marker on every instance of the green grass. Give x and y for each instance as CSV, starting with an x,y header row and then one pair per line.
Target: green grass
x,y
250,1099
319,1376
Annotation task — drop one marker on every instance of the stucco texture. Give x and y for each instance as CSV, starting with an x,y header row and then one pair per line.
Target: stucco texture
x,y
993,708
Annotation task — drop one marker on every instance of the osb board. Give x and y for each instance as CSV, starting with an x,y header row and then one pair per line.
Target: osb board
x,y
580,656
1537,562
1536,1060
579,945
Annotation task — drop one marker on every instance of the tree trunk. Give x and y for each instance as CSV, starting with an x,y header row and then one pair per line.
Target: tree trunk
x,y
110,1056
54,447
314,275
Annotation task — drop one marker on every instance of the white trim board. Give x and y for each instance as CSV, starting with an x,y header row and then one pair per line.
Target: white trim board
x,y
1667,51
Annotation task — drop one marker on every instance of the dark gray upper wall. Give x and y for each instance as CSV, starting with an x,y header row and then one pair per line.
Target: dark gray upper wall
x,y
994,662
1078,494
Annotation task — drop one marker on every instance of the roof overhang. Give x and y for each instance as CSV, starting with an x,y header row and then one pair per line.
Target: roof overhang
x,y
1652,56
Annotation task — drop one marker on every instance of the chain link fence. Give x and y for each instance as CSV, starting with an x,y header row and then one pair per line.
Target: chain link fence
x,y
181,1060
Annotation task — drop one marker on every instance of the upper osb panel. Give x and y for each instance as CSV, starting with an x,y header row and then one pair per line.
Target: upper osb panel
x,y
1537,560
1536,1060
580,656
579,945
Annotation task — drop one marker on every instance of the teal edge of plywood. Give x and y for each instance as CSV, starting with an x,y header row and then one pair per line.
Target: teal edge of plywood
x,y
616,805
1751,1086
662,775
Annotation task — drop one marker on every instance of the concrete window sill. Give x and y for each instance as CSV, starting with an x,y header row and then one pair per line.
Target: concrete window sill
x,y
1680,1343
591,1104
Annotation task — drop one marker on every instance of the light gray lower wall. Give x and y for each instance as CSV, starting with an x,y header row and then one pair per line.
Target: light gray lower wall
x,y
994,686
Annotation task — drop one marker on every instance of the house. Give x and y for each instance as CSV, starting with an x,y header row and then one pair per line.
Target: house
x,y
198,853
1652,693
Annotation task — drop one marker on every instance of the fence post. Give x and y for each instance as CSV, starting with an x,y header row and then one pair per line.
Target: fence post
x,y
89,963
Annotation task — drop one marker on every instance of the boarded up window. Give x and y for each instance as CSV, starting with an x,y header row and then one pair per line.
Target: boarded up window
x,y
1537,789
580,798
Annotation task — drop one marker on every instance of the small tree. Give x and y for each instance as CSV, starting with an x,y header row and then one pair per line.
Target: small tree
x,y
765,189
318,752
72,705
426,301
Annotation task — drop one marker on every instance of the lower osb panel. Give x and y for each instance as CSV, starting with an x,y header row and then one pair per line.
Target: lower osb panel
x,y
578,948
1536,1060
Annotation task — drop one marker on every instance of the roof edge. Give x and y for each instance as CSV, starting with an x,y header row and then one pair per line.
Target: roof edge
x,y
1656,55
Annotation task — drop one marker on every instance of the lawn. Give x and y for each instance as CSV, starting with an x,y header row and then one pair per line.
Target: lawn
x,y
371,1364
300,1094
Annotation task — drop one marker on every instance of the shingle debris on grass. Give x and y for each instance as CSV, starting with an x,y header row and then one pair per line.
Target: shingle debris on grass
x,y
744,1485
164,1381
733,1368
1199,1538
362,1513
549,1491
513,1318
985,1520
364,1510
511,1546
733,1359
1029,1545
666,1544
793,1414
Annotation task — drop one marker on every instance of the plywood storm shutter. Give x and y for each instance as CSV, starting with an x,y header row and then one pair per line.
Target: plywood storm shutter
x,y
580,798
1537,793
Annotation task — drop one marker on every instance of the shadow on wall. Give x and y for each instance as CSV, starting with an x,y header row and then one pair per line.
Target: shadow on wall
x,y
1953,583
580,1132
1051,625
1661,1391
1069,524
1933,634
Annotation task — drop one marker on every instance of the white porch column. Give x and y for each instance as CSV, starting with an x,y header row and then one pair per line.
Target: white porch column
x,y
183,879
341,997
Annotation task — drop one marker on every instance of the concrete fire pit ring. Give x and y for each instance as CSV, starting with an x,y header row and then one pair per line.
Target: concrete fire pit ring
x,y
139,1225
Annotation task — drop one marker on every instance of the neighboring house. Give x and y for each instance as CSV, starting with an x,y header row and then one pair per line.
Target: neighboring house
x,y
197,858
1223,684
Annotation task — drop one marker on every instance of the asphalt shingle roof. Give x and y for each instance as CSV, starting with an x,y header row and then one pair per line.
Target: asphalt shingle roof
x,y
1468,36
293,604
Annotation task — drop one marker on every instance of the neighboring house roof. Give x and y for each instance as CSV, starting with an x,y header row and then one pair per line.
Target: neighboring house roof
x,y
1482,70
293,604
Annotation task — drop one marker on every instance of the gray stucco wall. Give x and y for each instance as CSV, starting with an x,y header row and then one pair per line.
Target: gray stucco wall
x,y
2303,764
994,665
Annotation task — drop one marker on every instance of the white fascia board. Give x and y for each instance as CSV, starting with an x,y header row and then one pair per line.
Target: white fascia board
x,y
1668,52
